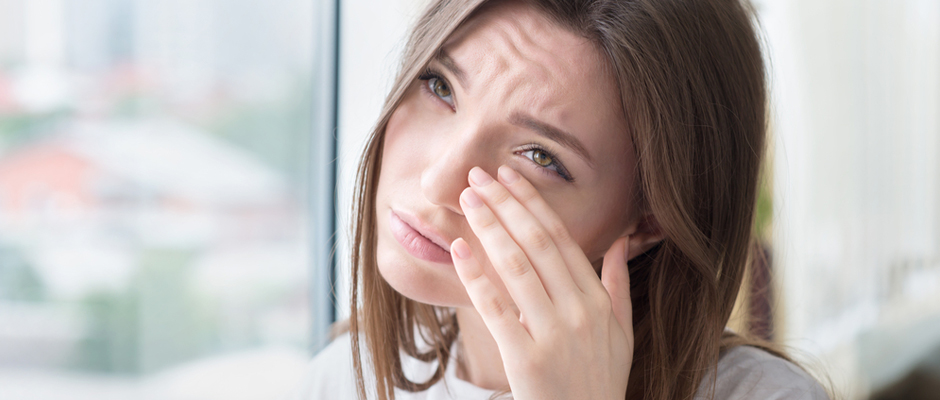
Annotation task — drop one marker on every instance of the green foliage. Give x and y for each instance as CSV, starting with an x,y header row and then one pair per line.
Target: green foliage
x,y
21,128
175,324
135,105
764,210
18,279
111,342
157,322
276,131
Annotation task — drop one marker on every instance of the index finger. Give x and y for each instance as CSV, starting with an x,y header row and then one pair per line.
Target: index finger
x,y
580,267
529,234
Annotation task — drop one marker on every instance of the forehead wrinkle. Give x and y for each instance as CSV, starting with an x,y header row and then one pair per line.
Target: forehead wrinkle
x,y
532,58
529,67
527,31
523,64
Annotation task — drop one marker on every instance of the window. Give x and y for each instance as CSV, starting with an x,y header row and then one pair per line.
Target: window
x,y
165,175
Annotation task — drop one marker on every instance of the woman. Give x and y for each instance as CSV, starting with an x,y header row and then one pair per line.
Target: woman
x,y
557,202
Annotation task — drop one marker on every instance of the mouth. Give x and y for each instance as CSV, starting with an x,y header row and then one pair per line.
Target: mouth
x,y
419,240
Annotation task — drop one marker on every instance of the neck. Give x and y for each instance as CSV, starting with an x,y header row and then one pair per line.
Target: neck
x,y
478,359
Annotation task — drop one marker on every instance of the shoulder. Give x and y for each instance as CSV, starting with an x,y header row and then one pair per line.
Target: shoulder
x,y
330,375
746,372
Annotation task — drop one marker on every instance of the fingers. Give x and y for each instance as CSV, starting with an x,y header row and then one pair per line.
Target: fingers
x,y
528,234
512,264
496,312
616,279
579,266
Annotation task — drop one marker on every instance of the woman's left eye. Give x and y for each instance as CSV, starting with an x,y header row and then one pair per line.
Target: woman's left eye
x,y
546,161
438,87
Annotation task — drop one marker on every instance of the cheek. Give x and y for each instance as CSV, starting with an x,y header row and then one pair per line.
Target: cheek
x,y
397,123
597,220
409,135
400,149
395,133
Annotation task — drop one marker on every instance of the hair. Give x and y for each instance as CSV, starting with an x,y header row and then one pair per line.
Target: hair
x,y
692,85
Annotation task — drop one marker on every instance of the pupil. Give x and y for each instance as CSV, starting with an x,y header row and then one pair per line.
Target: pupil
x,y
541,158
441,89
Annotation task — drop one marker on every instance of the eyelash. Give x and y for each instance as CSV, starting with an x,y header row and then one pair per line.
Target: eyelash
x,y
429,74
559,171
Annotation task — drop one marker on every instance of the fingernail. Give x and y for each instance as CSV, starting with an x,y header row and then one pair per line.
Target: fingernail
x,y
480,177
471,199
508,175
460,249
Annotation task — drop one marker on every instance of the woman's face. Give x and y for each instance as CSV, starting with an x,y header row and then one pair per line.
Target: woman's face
x,y
509,88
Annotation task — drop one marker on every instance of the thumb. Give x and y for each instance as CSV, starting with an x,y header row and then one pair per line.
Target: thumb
x,y
616,279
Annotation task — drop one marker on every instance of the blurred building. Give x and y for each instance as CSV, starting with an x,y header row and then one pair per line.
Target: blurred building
x,y
149,177
84,206
152,216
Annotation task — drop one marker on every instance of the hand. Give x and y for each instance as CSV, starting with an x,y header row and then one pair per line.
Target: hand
x,y
573,336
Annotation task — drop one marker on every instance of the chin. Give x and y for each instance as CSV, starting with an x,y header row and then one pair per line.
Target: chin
x,y
419,280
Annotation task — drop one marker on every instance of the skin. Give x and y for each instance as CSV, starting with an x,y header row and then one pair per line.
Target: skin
x,y
538,273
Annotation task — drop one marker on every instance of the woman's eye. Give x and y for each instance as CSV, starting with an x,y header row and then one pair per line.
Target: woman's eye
x,y
435,86
542,158
441,89
546,161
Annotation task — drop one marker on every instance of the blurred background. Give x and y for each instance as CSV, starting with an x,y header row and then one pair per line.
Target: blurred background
x,y
154,177
175,175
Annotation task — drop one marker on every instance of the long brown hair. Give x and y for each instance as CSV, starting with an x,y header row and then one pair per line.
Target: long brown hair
x,y
692,82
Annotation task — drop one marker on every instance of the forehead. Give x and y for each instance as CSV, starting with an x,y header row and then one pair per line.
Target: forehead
x,y
516,35
517,59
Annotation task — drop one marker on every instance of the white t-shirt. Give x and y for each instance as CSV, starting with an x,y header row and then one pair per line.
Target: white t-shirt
x,y
744,373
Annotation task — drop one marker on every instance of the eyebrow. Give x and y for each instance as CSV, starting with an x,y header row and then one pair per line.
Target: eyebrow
x,y
445,60
545,130
552,133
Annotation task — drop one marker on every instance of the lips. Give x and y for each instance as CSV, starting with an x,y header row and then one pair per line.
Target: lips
x,y
418,240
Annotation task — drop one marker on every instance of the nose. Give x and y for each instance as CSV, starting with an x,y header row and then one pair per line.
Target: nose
x,y
445,175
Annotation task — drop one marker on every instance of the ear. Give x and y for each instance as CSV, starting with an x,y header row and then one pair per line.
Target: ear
x,y
643,235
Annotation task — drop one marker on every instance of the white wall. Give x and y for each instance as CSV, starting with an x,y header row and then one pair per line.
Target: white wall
x,y
372,37
856,90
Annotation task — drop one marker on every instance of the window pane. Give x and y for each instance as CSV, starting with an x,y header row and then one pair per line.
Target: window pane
x,y
153,178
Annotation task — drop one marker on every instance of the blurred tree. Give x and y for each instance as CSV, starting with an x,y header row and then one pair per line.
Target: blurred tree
x,y
158,321
111,341
175,323
17,128
277,131
18,278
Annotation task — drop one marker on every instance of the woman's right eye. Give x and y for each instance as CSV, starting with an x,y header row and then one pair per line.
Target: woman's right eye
x,y
438,87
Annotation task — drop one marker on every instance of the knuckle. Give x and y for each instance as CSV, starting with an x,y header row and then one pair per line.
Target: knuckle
x,y
474,277
538,238
488,222
581,322
500,196
494,306
558,230
516,264
528,194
